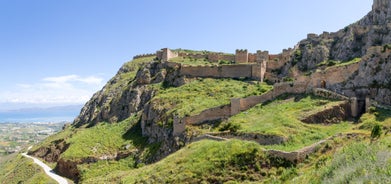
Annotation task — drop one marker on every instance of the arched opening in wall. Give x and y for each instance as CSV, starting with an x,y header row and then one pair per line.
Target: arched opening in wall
x,y
361,102
323,84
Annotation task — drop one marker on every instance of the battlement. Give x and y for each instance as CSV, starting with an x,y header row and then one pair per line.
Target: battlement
x,y
262,56
241,56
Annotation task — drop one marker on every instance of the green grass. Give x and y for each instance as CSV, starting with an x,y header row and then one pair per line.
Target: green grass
x,y
357,160
105,167
354,161
281,117
23,170
206,161
131,68
377,116
361,163
100,140
332,63
194,97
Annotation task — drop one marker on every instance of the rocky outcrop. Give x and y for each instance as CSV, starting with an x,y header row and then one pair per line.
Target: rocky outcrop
x,y
329,115
126,93
52,153
368,39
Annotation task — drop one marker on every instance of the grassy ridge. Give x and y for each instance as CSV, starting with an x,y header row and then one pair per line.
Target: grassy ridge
x,y
103,139
281,117
194,97
205,162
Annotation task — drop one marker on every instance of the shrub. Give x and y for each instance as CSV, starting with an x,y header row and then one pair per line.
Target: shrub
x,y
232,127
376,131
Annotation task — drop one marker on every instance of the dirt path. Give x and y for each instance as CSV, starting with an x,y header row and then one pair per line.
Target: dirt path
x,y
47,169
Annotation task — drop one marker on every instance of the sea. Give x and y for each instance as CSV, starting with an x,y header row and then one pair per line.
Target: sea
x,y
32,115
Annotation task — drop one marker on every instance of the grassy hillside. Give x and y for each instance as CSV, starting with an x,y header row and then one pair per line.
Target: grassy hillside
x,y
281,117
205,162
196,96
350,156
18,169
243,161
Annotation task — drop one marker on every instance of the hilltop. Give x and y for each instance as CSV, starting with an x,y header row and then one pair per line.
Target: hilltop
x,y
318,112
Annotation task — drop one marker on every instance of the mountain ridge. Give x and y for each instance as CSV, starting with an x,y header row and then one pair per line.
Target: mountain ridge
x,y
161,108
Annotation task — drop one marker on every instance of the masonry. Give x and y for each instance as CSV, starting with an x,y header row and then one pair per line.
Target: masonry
x,y
251,71
238,105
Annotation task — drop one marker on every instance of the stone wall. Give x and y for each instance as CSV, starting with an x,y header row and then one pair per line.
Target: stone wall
x,y
212,114
165,54
333,75
252,71
194,56
214,57
252,58
328,94
241,56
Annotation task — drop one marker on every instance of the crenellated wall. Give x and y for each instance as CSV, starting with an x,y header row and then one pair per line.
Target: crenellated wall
x,y
241,56
251,71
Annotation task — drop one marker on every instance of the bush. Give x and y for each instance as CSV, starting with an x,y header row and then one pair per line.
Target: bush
x,y
376,131
232,127
372,109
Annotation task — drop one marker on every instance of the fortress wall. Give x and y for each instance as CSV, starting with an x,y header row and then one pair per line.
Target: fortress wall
x,y
227,57
273,65
194,56
200,71
236,71
241,56
214,57
208,115
252,58
224,71
257,72
328,94
333,75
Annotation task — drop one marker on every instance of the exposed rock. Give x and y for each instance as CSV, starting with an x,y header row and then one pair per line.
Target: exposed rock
x,y
52,153
330,115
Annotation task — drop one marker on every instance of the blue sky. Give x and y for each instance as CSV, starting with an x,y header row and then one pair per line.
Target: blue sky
x,y
61,52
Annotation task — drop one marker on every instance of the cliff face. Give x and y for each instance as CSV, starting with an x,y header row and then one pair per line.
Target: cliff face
x,y
368,38
351,42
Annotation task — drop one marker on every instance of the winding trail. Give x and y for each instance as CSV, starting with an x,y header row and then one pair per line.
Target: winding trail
x,y
47,169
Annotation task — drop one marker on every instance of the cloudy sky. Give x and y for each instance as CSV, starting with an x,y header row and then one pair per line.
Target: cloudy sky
x,y
61,52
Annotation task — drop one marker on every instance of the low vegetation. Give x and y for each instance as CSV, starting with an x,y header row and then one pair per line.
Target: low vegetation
x,y
102,140
281,117
18,169
207,162
330,63
194,97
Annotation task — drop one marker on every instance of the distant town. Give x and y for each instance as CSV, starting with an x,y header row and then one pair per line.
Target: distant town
x,y
16,136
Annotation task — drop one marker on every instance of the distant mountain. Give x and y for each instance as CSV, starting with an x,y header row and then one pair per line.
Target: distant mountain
x,y
50,114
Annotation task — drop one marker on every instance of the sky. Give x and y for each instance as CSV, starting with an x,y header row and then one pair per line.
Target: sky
x,y
55,53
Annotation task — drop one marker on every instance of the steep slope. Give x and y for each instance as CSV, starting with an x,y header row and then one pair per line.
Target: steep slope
x,y
140,116
368,39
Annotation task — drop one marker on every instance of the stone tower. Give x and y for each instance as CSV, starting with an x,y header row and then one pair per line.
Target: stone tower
x,y
241,56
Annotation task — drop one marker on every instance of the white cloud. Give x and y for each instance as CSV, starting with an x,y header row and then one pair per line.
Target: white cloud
x,y
68,89
74,78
